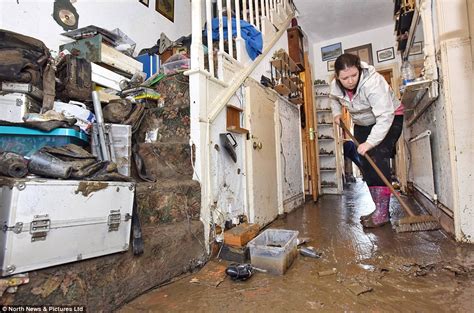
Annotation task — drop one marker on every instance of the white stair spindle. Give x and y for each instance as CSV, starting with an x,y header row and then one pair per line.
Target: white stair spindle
x,y
221,26
251,21
262,8
210,46
257,16
244,10
238,41
267,8
229,28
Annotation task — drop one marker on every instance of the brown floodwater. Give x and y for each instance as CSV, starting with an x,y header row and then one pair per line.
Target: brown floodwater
x,y
359,270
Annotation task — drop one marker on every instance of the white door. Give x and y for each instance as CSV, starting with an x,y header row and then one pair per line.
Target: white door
x,y
261,154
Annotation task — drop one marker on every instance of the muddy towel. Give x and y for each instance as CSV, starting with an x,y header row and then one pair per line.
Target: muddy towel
x,y
13,165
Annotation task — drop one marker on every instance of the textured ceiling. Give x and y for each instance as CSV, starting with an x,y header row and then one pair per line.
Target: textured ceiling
x,y
327,19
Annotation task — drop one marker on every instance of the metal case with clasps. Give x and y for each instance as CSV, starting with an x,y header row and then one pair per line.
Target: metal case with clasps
x,y
51,222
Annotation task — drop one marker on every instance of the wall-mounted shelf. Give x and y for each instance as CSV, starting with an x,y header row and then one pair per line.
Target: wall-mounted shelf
x,y
233,120
414,91
417,97
284,75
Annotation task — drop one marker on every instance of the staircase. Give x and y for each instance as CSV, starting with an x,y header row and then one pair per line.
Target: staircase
x,y
169,212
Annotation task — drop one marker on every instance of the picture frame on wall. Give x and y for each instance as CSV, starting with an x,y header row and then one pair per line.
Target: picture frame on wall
x,y
330,65
416,48
165,8
145,2
331,51
385,54
364,52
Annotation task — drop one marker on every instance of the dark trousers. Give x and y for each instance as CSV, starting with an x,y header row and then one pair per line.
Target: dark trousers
x,y
350,152
382,153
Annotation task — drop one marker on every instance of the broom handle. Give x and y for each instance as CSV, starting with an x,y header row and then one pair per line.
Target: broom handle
x,y
379,172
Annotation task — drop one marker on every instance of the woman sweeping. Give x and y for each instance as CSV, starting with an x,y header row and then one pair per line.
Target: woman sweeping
x,y
378,118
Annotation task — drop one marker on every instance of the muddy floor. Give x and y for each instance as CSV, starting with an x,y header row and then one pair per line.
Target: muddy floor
x,y
363,271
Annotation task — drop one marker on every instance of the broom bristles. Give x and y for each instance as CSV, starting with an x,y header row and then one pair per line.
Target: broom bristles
x,y
416,223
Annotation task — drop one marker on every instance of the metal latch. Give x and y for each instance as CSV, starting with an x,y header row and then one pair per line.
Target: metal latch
x,y
16,229
39,227
114,220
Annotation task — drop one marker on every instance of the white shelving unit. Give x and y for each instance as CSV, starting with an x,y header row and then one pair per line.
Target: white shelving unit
x,y
330,147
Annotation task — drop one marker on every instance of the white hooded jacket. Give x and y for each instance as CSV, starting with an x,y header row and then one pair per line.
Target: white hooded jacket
x,y
372,103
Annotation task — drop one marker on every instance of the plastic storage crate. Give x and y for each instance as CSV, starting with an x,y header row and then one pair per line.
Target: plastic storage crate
x,y
176,66
122,143
26,141
274,250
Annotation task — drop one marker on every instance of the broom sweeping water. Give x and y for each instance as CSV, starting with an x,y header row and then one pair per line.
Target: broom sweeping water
x,y
407,224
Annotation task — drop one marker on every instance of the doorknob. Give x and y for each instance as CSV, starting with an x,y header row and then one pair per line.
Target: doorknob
x,y
258,145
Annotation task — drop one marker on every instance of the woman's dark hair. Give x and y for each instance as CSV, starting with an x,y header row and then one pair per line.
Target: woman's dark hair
x,y
343,62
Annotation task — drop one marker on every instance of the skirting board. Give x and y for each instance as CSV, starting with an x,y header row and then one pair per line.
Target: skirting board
x,y
446,221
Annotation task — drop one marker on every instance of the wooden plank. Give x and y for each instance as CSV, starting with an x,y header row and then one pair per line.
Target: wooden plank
x,y
282,90
241,234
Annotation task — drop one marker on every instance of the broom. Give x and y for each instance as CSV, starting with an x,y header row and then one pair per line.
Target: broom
x,y
407,224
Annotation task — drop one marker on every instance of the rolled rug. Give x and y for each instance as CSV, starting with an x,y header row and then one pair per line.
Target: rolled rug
x,y
47,165
13,165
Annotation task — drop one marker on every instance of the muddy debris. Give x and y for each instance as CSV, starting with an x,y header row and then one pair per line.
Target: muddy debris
x,y
357,288
327,272
310,252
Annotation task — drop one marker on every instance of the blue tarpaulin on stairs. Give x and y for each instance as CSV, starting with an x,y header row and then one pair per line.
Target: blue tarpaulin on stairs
x,y
252,37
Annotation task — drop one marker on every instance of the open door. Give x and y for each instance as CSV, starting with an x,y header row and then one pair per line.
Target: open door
x,y
310,133
261,154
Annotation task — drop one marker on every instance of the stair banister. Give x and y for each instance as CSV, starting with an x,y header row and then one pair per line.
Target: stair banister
x,y
220,102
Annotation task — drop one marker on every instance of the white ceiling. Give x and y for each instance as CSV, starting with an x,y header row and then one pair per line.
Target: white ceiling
x,y
323,20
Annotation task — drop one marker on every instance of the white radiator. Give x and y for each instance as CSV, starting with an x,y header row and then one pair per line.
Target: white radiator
x,y
421,165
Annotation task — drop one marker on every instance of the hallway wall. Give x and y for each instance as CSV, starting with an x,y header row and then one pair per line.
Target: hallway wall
x,y
380,38
142,24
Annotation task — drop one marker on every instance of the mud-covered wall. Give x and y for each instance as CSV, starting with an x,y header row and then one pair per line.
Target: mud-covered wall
x,y
228,182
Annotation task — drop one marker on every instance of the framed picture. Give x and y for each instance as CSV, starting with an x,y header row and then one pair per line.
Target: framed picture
x,y
364,52
416,48
385,54
144,2
331,65
331,52
165,8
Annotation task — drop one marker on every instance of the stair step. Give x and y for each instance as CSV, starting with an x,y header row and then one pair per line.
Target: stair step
x,y
166,160
172,120
168,201
106,283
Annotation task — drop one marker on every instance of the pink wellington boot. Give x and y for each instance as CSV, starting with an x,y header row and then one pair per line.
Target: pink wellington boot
x,y
381,215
